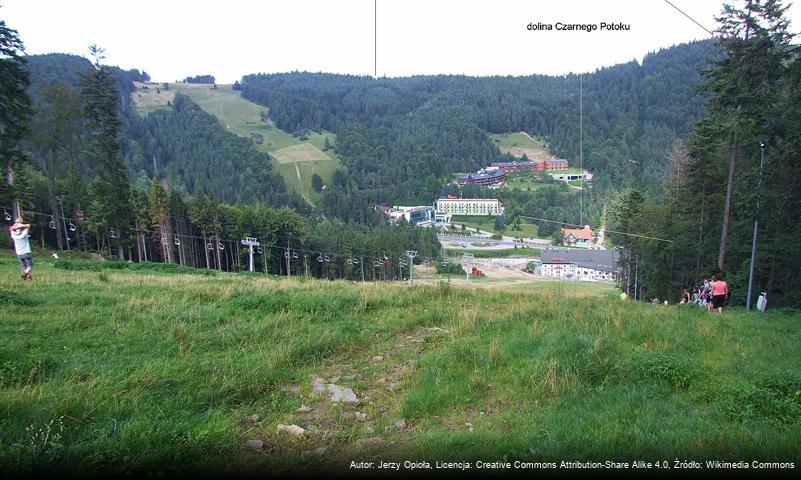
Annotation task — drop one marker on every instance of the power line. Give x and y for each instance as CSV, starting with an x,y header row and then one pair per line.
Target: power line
x,y
606,230
691,18
355,252
581,145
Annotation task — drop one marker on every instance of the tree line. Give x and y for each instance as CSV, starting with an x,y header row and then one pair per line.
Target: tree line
x,y
69,165
716,189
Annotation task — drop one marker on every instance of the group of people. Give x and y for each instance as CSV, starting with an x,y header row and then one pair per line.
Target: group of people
x,y
711,295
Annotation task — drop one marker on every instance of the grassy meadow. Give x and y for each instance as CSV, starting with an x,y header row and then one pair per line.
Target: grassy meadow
x,y
519,143
294,159
150,372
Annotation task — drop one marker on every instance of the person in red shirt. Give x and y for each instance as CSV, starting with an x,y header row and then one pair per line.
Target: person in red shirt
x,y
720,289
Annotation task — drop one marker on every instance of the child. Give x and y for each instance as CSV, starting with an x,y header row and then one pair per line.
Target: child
x,y
19,233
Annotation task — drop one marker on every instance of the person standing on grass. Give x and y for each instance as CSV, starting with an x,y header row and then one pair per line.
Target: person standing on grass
x,y
706,295
22,247
720,289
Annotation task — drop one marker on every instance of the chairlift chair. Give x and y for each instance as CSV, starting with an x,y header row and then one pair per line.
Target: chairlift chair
x,y
72,227
52,223
177,240
220,246
6,215
112,234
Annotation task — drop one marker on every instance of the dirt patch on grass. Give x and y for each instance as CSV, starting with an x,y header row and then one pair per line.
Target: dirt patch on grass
x,y
531,153
149,97
305,152
378,375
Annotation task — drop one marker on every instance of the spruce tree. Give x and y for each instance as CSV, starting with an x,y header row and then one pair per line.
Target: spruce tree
x,y
15,107
111,195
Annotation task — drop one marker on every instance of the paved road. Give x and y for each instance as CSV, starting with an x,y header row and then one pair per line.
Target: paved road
x,y
506,242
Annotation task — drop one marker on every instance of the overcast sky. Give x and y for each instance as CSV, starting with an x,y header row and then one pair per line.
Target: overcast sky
x,y
173,39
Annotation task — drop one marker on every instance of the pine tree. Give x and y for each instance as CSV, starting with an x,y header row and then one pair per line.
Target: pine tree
x,y
100,110
53,138
160,218
316,182
744,84
15,108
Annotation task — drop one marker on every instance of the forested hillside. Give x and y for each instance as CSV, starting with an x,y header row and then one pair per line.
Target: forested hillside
x,y
193,152
398,137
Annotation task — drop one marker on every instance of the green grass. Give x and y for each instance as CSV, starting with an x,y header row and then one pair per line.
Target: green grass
x,y
580,184
519,143
151,372
250,120
487,224
525,183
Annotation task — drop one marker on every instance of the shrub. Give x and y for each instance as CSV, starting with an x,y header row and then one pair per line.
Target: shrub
x,y
450,268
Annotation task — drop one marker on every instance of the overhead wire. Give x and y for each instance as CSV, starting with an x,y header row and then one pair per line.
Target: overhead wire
x,y
688,16
213,238
605,230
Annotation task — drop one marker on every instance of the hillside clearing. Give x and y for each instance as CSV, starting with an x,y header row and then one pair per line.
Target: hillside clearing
x,y
520,143
305,152
149,373
250,120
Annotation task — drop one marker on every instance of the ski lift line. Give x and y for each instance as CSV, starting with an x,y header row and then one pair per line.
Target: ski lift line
x,y
691,18
24,212
156,232
218,240
606,230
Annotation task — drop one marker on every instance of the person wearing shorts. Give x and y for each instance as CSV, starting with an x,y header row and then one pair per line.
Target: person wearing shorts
x,y
719,291
22,247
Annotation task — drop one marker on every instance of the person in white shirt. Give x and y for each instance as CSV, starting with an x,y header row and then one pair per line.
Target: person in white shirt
x,y
19,233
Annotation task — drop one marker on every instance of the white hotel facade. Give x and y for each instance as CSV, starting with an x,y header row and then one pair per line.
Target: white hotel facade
x,y
447,207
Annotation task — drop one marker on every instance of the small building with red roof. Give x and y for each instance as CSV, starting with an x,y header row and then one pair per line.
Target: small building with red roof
x,y
578,237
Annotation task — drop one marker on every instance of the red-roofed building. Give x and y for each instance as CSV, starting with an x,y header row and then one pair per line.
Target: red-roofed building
x,y
579,237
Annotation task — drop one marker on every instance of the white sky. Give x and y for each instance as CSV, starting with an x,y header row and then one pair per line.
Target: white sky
x,y
173,39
